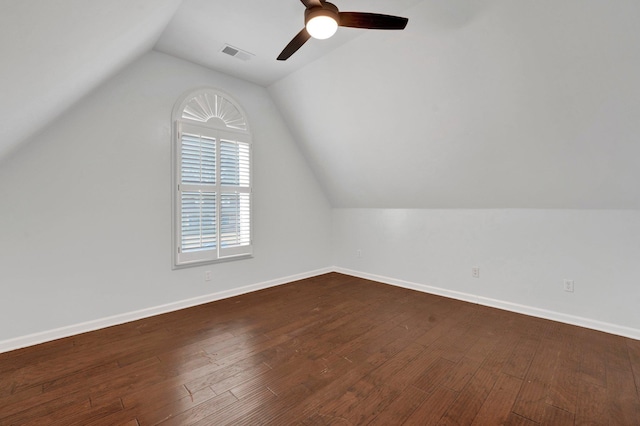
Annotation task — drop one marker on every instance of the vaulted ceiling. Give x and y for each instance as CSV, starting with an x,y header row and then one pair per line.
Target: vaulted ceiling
x,y
477,104
52,53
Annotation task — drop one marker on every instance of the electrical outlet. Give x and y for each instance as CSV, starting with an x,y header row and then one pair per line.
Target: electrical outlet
x,y
475,272
358,253
568,286
207,275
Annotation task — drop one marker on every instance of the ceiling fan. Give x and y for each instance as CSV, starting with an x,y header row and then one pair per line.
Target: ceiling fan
x,y
322,19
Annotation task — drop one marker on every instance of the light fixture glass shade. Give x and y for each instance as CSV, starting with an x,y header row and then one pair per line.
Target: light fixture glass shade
x,y
322,26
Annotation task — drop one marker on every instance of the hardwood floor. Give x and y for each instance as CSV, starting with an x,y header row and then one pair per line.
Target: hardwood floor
x,y
328,350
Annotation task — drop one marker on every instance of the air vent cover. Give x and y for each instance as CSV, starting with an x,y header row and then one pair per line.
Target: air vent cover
x,y
237,53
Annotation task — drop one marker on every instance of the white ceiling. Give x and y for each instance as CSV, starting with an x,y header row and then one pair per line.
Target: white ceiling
x,y
53,52
477,104
201,28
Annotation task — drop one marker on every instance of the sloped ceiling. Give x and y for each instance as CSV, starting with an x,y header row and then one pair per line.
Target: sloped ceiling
x,y
53,52
201,28
477,104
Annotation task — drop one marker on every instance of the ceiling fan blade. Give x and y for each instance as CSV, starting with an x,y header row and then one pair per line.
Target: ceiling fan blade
x,y
295,44
373,21
311,3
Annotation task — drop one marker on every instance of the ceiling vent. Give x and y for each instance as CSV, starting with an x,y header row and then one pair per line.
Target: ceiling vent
x,y
237,53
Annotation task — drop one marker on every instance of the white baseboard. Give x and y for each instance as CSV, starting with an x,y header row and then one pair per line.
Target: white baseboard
x,y
58,333
72,330
619,330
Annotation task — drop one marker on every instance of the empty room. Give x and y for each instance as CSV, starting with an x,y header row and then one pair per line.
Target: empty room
x,y
386,212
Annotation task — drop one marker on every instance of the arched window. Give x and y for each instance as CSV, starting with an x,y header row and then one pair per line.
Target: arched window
x,y
211,179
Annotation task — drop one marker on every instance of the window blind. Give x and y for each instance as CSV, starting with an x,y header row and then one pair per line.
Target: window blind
x,y
198,159
198,221
234,163
214,195
234,219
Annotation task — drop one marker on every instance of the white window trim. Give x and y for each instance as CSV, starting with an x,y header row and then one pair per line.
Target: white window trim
x,y
214,126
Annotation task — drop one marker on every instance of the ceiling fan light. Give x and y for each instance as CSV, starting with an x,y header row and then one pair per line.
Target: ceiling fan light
x,y
322,25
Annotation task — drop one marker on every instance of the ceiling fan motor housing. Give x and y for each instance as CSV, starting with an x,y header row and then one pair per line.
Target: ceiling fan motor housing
x,y
327,9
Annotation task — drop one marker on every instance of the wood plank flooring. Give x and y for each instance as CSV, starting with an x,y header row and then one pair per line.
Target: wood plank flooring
x,y
330,350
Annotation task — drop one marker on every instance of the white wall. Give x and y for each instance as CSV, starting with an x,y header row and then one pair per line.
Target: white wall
x,y
523,256
85,210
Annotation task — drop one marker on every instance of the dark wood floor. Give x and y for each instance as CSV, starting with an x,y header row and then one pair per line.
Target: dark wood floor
x,y
327,350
